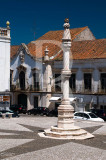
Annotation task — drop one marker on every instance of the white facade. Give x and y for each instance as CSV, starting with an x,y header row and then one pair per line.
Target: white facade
x,y
4,59
5,41
25,62
47,70
96,96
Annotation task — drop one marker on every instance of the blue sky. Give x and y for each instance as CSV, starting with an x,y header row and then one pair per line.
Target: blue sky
x,y
40,16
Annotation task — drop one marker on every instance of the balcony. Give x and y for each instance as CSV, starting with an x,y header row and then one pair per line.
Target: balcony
x,y
28,88
34,88
3,32
12,87
93,90
56,89
80,90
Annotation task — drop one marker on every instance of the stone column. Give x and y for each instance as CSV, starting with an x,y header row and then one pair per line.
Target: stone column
x,y
47,79
65,110
65,128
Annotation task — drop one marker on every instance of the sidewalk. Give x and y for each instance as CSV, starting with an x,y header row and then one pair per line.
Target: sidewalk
x,y
19,140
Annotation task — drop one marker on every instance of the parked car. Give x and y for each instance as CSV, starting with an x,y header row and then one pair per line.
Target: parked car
x,y
14,114
99,112
32,111
18,108
87,116
43,111
54,112
39,111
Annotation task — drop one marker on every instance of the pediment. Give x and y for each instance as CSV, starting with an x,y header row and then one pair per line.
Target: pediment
x,y
22,50
21,68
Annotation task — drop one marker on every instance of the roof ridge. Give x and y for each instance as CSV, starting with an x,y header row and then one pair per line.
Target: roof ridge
x,y
63,29
89,40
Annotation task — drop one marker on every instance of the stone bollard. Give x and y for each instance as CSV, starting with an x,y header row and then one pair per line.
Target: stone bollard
x,y
10,115
3,116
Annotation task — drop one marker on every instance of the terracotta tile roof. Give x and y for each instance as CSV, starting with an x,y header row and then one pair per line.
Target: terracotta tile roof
x,y
80,49
51,35
14,50
57,35
89,49
37,49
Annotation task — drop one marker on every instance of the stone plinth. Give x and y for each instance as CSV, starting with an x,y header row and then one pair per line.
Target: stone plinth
x,y
65,116
65,128
69,133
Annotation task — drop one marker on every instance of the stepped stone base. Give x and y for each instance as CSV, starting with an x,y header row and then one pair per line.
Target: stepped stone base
x,y
67,133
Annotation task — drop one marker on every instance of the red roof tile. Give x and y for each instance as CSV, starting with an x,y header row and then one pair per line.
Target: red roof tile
x,y
80,49
57,35
90,49
14,50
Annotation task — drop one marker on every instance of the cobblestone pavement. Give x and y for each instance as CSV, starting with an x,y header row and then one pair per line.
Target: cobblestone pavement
x,y
19,140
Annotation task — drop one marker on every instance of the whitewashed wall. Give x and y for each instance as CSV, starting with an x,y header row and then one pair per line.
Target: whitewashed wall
x,y
4,64
29,63
97,67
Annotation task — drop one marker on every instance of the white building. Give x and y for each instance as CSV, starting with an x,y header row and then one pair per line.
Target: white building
x,y
36,70
4,66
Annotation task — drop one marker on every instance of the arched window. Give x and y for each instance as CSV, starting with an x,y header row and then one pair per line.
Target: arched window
x,y
22,80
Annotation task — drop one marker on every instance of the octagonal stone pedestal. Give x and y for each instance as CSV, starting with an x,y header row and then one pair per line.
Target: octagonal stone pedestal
x,y
66,128
70,133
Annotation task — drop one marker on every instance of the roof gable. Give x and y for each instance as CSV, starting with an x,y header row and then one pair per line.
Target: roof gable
x,y
15,50
57,35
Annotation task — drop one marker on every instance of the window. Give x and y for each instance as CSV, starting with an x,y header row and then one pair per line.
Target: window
x,y
10,79
57,82
92,115
36,81
22,80
103,81
72,81
78,114
85,115
87,81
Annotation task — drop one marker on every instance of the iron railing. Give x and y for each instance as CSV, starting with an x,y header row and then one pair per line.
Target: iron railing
x,y
3,32
28,88
81,89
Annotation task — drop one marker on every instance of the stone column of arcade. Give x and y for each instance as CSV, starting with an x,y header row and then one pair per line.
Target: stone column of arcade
x,y
65,128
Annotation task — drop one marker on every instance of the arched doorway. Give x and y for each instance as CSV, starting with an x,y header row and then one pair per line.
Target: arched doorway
x,y
22,99
22,80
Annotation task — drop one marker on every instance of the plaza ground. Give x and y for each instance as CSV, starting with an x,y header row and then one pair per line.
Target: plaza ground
x,y
19,140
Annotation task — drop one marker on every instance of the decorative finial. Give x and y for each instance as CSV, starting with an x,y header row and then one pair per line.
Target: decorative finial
x,y
7,23
66,33
46,57
46,51
66,23
66,20
22,56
